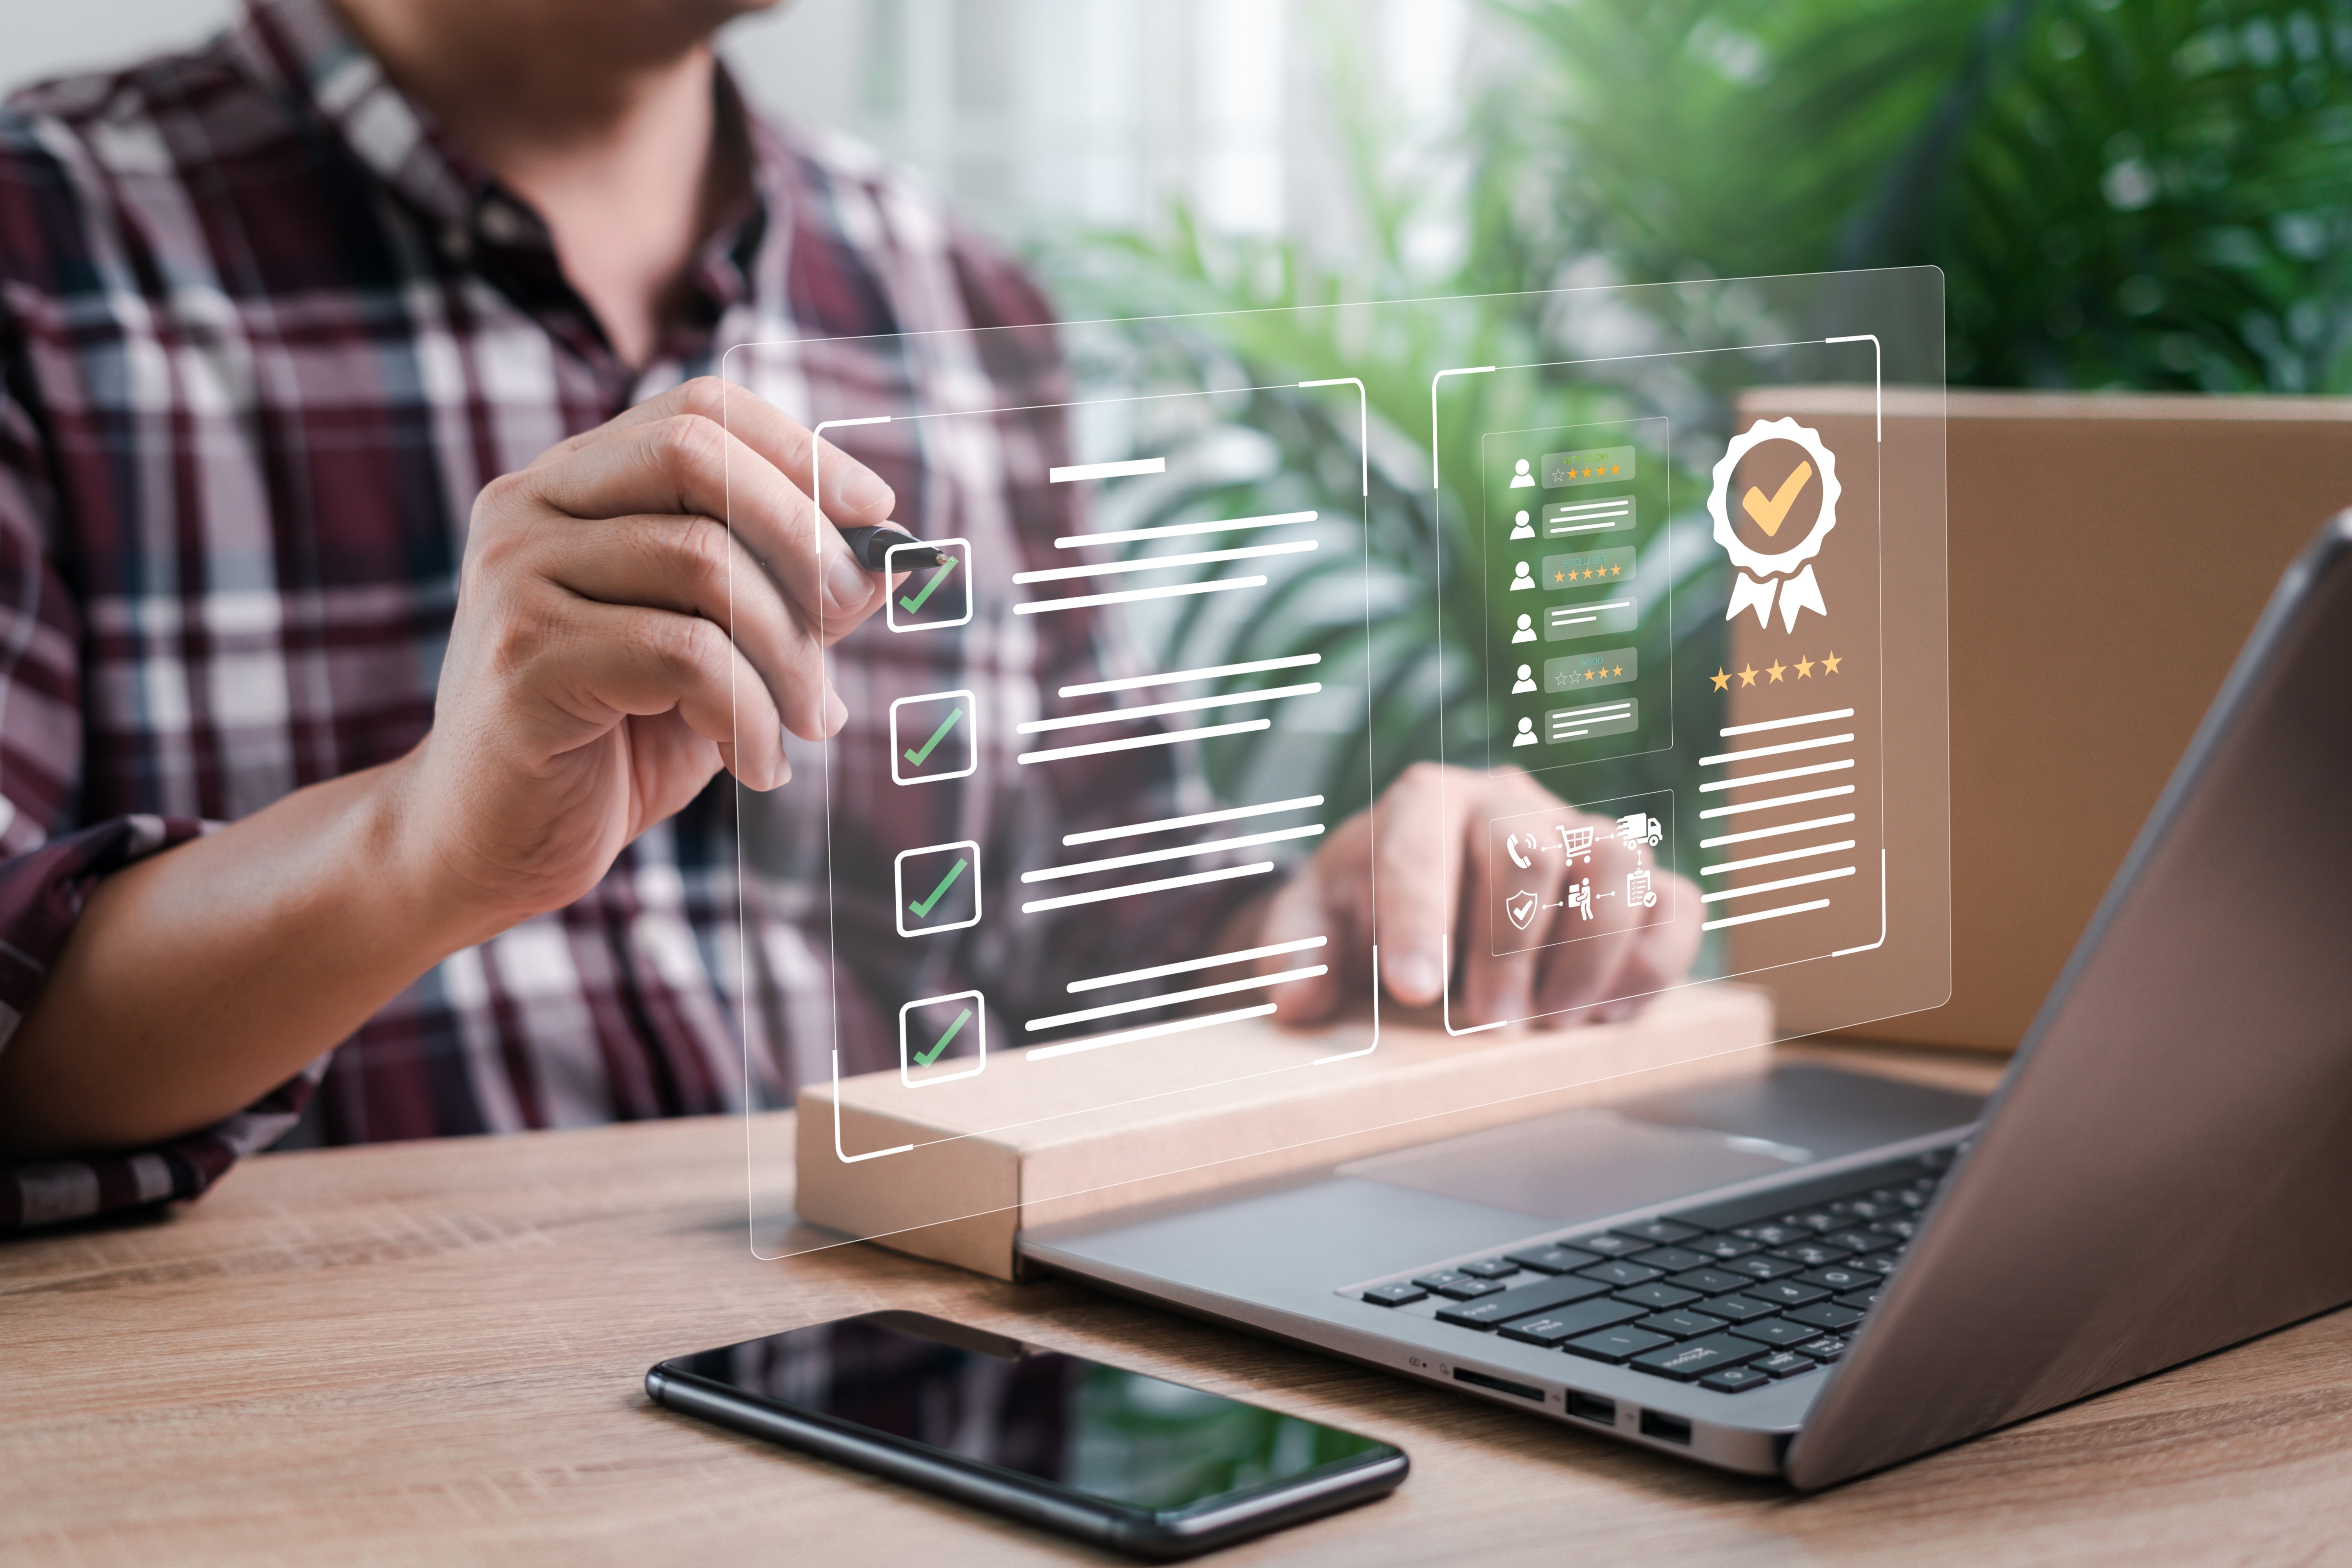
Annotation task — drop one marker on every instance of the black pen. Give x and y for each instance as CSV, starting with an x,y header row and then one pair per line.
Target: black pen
x,y
871,547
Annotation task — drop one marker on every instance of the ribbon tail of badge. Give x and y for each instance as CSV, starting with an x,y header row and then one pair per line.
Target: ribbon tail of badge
x,y
1801,593
1747,593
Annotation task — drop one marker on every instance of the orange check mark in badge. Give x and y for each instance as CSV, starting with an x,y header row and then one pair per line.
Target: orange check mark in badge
x,y
1771,514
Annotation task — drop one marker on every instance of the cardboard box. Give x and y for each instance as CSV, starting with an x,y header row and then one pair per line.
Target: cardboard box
x,y
2108,555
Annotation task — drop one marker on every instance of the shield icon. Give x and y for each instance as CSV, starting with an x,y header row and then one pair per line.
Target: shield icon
x,y
1521,908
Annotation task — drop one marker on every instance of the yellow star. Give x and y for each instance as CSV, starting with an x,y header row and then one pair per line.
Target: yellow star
x,y
1722,681
1776,669
1804,669
1748,677
1614,571
1829,665
1589,674
1588,571
1618,670
1560,577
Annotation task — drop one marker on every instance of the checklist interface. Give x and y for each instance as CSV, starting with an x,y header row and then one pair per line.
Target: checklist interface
x,y
1067,774
1212,724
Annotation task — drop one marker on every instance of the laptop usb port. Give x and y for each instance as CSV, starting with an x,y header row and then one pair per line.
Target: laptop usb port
x,y
1665,1428
1499,1385
1592,1407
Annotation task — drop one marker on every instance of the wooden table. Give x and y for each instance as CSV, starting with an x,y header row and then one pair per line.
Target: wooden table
x,y
430,1353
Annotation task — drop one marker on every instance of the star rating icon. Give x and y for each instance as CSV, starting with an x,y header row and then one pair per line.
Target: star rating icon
x,y
1722,681
1804,669
1776,671
1747,676
1829,665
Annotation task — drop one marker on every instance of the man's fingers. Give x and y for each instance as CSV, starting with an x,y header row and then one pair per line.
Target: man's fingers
x,y
610,660
1418,855
854,495
686,463
1297,912
693,566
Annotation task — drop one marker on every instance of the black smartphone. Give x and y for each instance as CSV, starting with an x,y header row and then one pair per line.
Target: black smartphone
x,y
1113,1457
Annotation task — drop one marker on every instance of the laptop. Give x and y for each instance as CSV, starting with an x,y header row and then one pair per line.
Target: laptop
x,y
1815,1275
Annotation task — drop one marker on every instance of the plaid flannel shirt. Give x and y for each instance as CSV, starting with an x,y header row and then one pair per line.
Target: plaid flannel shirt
x,y
265,335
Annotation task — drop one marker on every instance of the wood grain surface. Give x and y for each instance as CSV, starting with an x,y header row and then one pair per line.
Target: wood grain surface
x,y
431,1352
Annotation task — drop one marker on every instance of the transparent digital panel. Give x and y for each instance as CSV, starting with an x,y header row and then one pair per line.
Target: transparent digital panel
x,y
1289,736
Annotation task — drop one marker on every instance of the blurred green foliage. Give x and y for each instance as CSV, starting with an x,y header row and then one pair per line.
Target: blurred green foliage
x,y
2148,194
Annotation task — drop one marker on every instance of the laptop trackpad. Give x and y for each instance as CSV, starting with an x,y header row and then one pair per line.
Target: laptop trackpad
x,y
1577,1164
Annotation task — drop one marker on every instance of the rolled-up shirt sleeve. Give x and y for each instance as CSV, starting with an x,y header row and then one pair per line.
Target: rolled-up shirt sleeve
x,y
49,861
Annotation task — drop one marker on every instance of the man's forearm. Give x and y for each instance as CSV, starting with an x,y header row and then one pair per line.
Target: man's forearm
x,y
198,979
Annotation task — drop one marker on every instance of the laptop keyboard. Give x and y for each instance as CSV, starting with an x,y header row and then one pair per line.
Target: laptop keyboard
x,y
1731,1295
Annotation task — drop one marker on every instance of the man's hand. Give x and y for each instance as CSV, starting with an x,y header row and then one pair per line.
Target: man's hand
x,y
615,644
1425,873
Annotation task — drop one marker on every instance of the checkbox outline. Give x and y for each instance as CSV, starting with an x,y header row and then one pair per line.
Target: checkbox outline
x,y
962,550
980,1021
899,887
972,737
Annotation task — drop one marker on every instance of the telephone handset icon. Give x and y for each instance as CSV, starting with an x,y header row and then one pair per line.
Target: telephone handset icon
x,y
1511,847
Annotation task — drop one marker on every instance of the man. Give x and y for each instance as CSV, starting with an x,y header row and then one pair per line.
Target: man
x,y
357,492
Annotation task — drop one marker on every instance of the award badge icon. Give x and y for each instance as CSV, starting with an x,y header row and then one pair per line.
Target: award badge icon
x,y
1758,577
1521,907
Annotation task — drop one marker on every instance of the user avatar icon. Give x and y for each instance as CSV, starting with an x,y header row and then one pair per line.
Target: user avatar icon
x,y
1527,632
1519,578
1523,479
1521,529
1525,682
1526,735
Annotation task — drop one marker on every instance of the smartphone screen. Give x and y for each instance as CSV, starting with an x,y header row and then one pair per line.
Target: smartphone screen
x,y
1134,1442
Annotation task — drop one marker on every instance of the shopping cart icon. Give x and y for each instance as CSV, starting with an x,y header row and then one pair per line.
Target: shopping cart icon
x,y
1576,841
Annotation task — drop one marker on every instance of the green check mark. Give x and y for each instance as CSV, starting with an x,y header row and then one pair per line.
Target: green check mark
x,y
945,725
938,577
923,909
925,1058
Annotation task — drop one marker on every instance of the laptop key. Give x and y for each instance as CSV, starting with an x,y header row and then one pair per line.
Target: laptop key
x,y
1492,1268
1542,1296
1879,1263
1466,1290
1811,1253
1658,1231
1659,1296
1777,1332
1609,1246
1828,1348
1762,1266
1672,1259
1840,1277
1553,1259
1688,1363
1395,1295
1773,1233
1733,1380
1439,1279
1722,1247
1855,1240
1861,1301
1681,1325
1616,1345
1826,1315
1713,1281
1567,1323
1738,1309
1786,1292
1783,1363
1618,1271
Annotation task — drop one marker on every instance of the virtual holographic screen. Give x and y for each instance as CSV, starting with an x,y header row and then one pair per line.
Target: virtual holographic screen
x,y
1671,569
